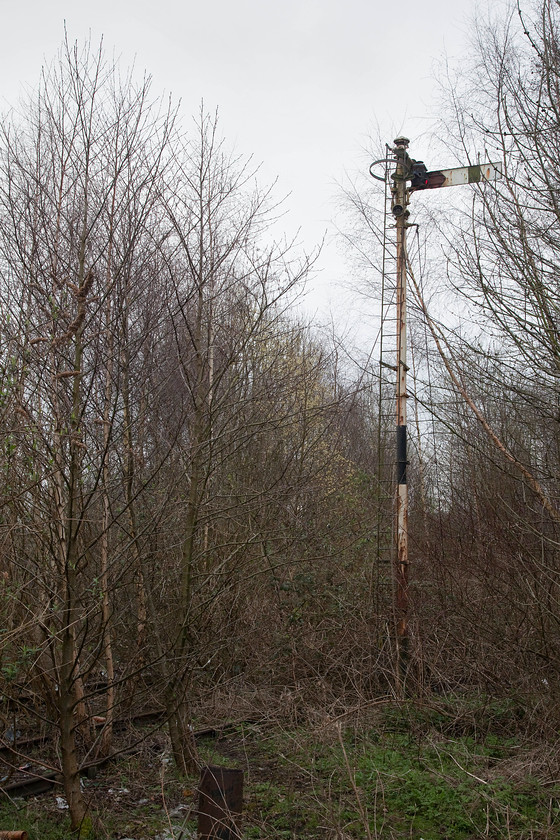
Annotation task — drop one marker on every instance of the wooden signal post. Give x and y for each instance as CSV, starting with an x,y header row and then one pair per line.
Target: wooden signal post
x,y
399,209
415,172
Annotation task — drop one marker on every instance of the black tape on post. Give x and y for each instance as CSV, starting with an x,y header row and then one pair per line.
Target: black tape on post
x,y
220,804
401,455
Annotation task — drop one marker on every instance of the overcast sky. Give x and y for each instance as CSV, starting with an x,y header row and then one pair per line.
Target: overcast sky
x,y
300,84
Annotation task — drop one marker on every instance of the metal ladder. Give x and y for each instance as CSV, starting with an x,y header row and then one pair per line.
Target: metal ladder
x,y
385,501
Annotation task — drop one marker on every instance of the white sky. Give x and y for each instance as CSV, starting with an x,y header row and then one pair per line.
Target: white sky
x,y
300,84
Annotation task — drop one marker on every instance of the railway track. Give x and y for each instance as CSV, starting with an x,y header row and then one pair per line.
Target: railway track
x,y
34,781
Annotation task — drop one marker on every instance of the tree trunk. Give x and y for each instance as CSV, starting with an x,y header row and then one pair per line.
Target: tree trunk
x,y
181,732
70,771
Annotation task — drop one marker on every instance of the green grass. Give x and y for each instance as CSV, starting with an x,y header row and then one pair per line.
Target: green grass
x,y
22,815
407,780
451,773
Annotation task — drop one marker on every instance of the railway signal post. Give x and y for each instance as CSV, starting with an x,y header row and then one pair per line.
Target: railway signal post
x,y
416,173
399,202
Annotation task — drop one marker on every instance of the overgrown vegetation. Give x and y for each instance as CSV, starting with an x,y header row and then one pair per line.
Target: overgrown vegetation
x,y
404,771
193,511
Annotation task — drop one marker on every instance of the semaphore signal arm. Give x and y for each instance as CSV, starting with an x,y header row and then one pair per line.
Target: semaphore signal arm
x,y
421,179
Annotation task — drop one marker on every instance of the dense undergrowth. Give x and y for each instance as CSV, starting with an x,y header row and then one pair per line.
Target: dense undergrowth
x,y
458,770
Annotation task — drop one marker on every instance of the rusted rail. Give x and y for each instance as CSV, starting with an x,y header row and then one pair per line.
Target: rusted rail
x,y
21,744
38,782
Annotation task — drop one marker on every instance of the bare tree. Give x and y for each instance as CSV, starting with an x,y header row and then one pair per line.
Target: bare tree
x,y
228,291
501,363
78,180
